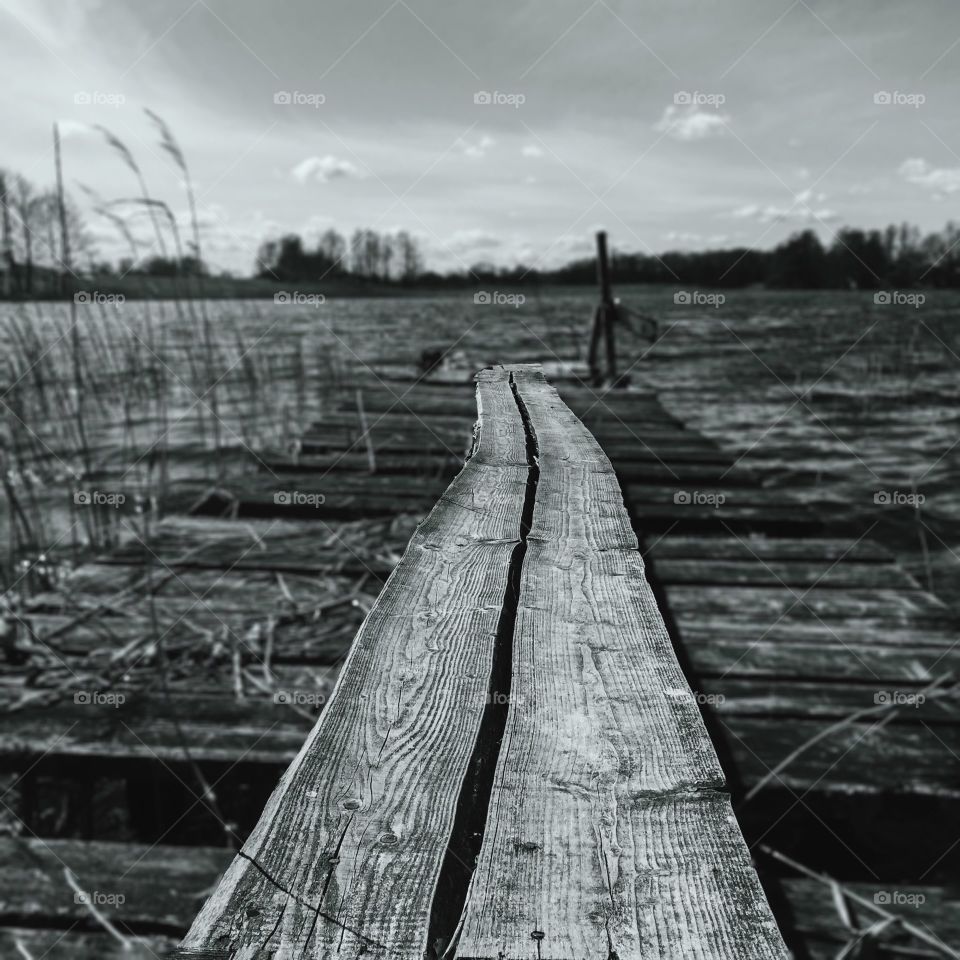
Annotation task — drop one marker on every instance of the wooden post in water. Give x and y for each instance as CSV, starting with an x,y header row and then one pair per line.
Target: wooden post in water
x,y
603,268
604,318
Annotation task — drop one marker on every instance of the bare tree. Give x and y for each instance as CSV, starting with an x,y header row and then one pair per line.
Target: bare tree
x,y
27,204
411,262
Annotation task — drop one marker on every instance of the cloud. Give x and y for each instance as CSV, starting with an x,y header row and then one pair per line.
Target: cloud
x,y
56,24
691,123
531,150
477,148
72,128
941,179
465,242
323,169
690,238
802,210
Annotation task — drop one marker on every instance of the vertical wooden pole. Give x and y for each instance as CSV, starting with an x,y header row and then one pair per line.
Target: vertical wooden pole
x,y
607,307
596,331
603,268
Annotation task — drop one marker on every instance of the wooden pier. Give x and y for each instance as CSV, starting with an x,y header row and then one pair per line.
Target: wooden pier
x,y
823,672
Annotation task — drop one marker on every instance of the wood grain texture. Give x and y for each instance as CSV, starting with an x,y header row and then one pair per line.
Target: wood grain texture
x,y
347,853
607,835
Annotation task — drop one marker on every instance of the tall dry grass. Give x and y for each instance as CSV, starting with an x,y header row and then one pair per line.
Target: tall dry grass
x,y
139,397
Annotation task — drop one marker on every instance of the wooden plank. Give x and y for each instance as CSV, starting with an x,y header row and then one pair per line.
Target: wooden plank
x,y
347,460
426,399
302,640
861,758
694,628
442,422
141,888
606,832
835,700
820,661
298,546
748,547
217,729
358,825
766,605
792,573
816,921
75,945
671,452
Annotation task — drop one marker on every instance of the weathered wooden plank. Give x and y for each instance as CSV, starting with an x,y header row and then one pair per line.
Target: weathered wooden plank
x,y
791,573
185,625
303,495
137,887
770,604
820,661
145,726
76,945
442,422
345,460
816,920
836,700
670,452
859,758
752,547
426,399
694,627
347,853
606,835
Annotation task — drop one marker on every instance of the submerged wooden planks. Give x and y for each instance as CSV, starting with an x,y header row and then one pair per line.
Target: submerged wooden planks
x,y
606,831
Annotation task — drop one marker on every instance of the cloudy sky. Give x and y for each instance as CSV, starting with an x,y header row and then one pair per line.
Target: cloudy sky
x,y
681,125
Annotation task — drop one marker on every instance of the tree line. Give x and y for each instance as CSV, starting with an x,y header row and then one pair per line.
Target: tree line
x,y
898,256
368,254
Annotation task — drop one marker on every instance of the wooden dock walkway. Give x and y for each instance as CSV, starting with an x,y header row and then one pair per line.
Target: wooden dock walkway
x,y
801,641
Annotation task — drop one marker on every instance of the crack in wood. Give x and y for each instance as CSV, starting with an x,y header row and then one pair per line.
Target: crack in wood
x,y
317,911
472,811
